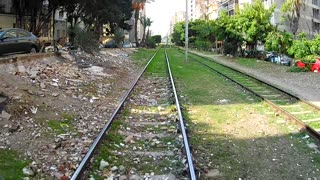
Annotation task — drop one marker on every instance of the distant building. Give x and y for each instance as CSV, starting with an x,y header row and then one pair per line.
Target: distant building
x,y
178,17
206,9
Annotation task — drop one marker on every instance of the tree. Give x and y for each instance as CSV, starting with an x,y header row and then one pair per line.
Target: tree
x,y
202,34
40,12
278,41
301,47
226,31
178,34
146,23
253,22
291,12
138,5
157,38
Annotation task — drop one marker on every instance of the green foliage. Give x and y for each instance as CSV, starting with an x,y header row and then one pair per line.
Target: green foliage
x,y
202,35
156,38
300,47
253,22
297,69
315,45
278,41
11,165
119,37
86,40
178,34
150,43
249,25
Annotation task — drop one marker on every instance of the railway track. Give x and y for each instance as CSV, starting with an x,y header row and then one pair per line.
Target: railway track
x,y
145,138
303,113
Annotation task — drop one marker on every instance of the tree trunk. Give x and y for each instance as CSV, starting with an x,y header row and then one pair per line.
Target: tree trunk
x,y
136,18
143,41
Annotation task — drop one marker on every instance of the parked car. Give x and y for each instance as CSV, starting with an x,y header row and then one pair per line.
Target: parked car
x,y
315,67
127,45
279,58
17,40
110,44
285,60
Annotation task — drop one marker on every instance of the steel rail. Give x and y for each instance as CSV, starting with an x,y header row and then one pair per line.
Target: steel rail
x,y
263,82
182,126
305,126
77,174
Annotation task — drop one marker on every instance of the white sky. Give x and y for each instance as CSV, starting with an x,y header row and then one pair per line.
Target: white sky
x,y
161,12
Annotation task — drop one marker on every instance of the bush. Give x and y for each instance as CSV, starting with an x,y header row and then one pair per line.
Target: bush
x,y
229,48
85,39
119,37
156,38
297,69
150,43
300,47
309,59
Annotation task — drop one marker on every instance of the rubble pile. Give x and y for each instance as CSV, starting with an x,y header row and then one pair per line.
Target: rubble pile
x,y
55,107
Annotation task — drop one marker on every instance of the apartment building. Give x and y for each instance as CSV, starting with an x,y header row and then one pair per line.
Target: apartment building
x,y
178,17
308,23
207,9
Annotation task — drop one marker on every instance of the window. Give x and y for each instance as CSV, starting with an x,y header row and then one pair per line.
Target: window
x,y
315,13
316,26
10,34
60,14
315,2
23,33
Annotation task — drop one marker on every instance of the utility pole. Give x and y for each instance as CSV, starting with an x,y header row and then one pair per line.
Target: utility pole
x,y
186,33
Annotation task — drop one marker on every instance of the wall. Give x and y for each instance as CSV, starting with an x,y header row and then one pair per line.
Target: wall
x,y
7,21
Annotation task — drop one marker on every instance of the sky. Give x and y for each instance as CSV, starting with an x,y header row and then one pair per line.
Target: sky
x,y
161,12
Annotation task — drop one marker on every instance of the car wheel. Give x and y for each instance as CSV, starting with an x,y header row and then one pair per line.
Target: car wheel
x,y
33,50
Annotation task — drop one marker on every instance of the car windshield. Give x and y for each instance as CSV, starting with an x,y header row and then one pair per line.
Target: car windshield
x,y
1,32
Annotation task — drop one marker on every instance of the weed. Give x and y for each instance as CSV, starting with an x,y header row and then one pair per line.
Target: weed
x,y
11,165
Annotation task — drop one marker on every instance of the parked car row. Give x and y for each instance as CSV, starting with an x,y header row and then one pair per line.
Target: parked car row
x,y
279,58
15,40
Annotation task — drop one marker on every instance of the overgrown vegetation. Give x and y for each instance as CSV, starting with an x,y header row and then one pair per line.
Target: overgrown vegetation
x,y
11,165
248,26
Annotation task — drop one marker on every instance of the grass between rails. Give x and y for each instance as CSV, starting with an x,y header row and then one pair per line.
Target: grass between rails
x,y
232,131
118,153
142,55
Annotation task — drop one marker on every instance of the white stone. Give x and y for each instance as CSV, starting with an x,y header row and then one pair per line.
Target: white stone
x,y
27,171
5,115
103,164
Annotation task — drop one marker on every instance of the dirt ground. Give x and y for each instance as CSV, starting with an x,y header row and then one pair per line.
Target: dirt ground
x,y
51,109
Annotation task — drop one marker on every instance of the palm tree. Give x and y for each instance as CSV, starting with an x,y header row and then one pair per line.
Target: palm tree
x,y
138,5
146,22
